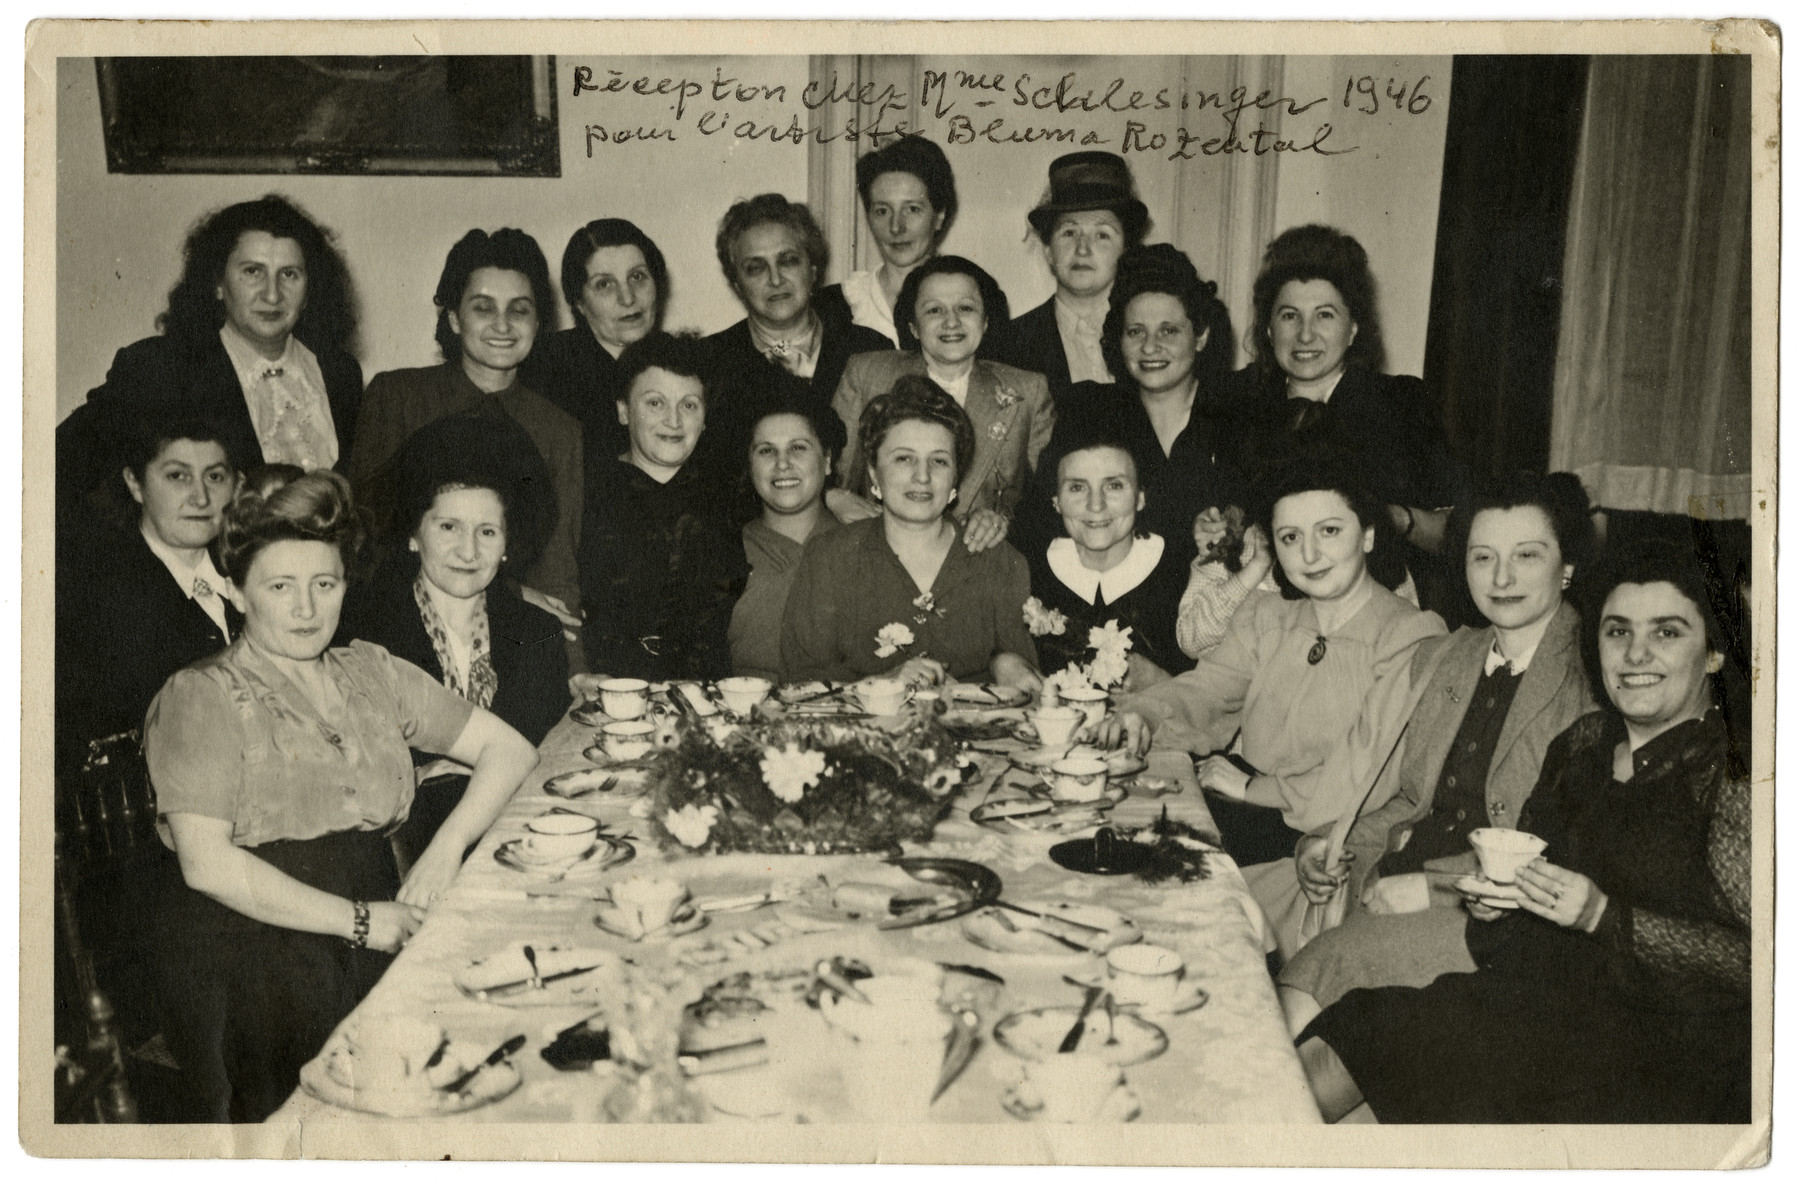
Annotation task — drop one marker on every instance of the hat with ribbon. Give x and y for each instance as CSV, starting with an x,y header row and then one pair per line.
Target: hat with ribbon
x,y
1082,181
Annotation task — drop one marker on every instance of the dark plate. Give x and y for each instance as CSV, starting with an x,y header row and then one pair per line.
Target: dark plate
x,y
1101,855
977,884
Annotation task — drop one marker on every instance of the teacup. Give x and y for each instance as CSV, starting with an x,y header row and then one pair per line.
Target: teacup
x,y
624,698
1078,780
393,1052
558,834
1056,724
889,1072
1089,700
882,696
743,694
1145,974
625,741
1072,1088
1502,851
645,905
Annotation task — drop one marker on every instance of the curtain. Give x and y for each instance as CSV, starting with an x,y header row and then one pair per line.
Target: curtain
x,y
1651,404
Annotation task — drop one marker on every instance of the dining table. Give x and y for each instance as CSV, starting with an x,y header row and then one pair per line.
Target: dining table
x,y
1226,1059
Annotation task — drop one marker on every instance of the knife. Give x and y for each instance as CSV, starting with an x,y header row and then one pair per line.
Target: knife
x,y
507,1049
963,1042
723,1058
1073,1037
519,986
1055,918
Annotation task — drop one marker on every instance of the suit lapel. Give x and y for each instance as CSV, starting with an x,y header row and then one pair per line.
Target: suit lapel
x,y
984,412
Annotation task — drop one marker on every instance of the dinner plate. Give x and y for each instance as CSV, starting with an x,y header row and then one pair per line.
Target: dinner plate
x,y
971,726
606,853
584,782
977,885
988,696
1100,928
1120,1107
1189,995
1040,814
564,976
1035,1034
1499,895
597,754
1084,856
330,1077
685,922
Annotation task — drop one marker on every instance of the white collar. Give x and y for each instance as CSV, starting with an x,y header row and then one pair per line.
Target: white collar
x,y
186,577
957,388
1121,580
250,364
1523,661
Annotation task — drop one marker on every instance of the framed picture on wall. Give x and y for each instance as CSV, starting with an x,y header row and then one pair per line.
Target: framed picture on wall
x,y
456,115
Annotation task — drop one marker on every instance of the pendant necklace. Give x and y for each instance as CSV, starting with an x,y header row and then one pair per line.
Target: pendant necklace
x,y
1317,652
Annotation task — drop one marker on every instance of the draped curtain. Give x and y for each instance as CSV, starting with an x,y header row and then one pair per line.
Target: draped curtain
x,y
1652,390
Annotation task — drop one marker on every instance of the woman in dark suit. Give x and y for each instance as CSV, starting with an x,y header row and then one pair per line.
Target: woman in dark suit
x,y
617,284
1317,377
255,338
475,501
136,603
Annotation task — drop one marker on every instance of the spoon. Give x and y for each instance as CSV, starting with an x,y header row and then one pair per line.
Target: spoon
x,y
537,981
1112,1020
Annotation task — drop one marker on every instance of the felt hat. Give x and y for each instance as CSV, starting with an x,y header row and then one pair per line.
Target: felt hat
x,y
1081,181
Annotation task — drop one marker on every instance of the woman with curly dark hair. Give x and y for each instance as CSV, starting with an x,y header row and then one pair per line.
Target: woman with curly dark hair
x,y
491,300
280,766
256,337
475,502
899,594
1317,376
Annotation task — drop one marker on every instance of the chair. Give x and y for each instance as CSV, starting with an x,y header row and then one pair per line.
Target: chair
x,y
91,1085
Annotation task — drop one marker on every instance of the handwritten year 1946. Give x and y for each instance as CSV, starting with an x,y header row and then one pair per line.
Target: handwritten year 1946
x,y
1414,101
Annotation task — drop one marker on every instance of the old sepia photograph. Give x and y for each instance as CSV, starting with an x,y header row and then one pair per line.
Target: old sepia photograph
x,y
1113,593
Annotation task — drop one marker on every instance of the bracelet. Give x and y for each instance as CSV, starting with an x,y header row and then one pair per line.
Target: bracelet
x,y
359,924
1411,521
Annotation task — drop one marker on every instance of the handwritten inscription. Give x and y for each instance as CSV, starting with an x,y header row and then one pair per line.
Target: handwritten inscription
x,y
962,107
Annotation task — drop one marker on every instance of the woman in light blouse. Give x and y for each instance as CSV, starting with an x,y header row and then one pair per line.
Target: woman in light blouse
x,y
280,766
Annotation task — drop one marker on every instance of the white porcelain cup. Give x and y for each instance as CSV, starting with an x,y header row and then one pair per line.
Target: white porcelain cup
x,y
1145,974
1056,724
624,698
1502,851
882,696
743,694
1089,700
1071,1087
649,904
558,834
1078,780
393,1052
625,741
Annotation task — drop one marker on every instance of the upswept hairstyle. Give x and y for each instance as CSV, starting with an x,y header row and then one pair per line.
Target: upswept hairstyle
x,y
149,437
1327,470
993,299
774,391
682,353
507,250
595,236
771,209
1303,254
916,398
467,451
195,313
1162,269
916,156
1558,495
280,502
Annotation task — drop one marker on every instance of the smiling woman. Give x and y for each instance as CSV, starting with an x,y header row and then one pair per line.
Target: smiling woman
x,y
492,297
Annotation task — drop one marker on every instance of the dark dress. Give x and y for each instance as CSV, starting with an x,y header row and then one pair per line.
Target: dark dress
x,y
1148,609
1033,342
531,667
1647,1020
123,627
660,572
159,380
1196,474
581,378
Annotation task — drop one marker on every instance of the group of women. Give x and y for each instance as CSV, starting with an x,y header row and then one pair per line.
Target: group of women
x,y
892,476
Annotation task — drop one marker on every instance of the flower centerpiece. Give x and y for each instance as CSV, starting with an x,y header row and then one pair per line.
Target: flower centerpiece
x,y
1111,645
804,785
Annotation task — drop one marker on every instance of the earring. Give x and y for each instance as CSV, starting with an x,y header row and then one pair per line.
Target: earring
x,y
1565,582
413,546
503,557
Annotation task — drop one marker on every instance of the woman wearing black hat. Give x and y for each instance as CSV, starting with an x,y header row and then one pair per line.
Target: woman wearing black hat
x,y
1091,217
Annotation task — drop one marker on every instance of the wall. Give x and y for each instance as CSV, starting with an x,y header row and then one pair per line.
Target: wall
x,y
119,236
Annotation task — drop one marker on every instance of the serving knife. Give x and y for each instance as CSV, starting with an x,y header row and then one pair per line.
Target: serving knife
x,y
506,1049
1073,1037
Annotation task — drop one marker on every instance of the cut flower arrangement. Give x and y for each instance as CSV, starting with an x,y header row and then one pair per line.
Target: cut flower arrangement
x,y
803,785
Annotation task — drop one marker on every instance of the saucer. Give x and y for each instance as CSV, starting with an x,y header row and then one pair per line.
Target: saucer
x,y
1189,995
1120,1107
1036,1034
605,853
686,921
565,976
1499,895
1018,934
988,696
586,781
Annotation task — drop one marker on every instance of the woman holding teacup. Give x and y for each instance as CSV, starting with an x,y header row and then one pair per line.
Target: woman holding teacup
x,y
1105,569
900,595
945,307
280,766
475,502
1310,678
1619,990
1471,754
